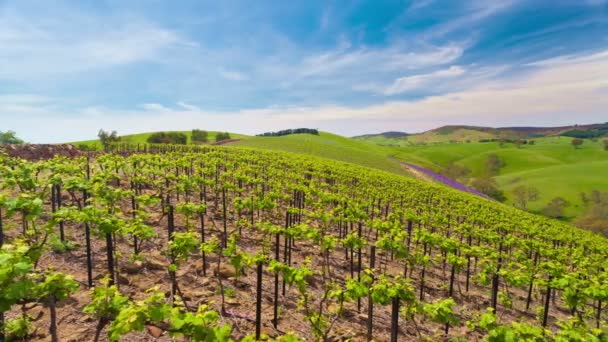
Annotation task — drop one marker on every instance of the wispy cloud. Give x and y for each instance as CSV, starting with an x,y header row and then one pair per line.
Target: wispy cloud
x,y
418,4
389,59
39,48
475,12
407,83
554,91
233,75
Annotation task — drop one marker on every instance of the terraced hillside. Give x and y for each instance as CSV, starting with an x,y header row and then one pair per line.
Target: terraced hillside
x,y
227,243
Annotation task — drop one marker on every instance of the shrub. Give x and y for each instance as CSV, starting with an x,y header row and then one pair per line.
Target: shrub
x,y
576,142
9,137
494,164
107,138
488,186
199,136
455,171
555,208
222,136
175,138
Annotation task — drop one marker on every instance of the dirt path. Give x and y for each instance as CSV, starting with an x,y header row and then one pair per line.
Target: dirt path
x,y
226,142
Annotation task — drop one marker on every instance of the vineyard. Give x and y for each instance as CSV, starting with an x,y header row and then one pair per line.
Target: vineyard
x,y
223,243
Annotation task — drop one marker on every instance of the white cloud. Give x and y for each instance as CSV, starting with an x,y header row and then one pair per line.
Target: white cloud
x,y
233,75
40,47
556,92
565,92
404,84
418,4
476,11
389,59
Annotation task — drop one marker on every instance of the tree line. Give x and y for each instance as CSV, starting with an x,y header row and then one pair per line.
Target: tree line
x,y
171,138
290,131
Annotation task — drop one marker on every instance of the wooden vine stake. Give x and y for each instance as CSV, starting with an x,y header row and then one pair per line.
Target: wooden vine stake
x,y
370,303
258,303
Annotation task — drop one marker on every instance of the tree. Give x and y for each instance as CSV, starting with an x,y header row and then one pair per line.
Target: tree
x,y
200,136
168,138
455,171
555,208
489,187
596,216
605,141
576,142
107,138
524,194
290,131
9,137
494,164
222,136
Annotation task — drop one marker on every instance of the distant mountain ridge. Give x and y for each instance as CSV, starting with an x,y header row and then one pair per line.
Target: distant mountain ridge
x,y
461,133
390,134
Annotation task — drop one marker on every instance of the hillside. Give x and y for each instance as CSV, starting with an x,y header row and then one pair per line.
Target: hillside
x,y
552,165
325,145
463,133
289,242
330,146
550,161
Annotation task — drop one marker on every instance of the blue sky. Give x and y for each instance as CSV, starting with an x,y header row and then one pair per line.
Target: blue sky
x,y
69,68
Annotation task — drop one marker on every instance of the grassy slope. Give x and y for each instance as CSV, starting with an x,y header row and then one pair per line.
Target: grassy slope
x,y
329,146
384,141
430,137
324,145
142,138
461,134
552,165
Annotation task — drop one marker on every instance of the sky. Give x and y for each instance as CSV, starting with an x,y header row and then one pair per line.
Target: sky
x,y
70,68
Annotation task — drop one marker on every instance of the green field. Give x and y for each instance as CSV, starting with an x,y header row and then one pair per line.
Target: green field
x,y
552,165
330,146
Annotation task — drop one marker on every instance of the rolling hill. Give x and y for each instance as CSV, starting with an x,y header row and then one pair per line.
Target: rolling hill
x,y
141,138
325,145
463,133
552,165
330,146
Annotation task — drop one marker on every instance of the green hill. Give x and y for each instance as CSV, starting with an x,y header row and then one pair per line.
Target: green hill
x,y
552,165
461,133
330,146
325,145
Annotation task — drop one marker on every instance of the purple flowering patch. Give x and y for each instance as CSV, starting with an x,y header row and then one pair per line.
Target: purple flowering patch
x,y
447,181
